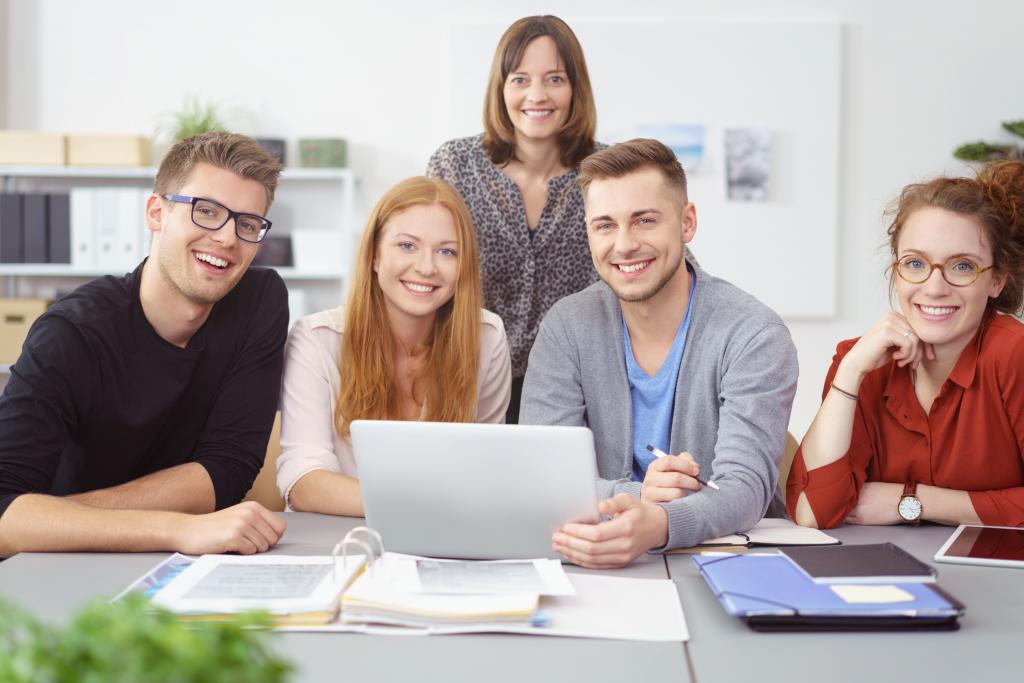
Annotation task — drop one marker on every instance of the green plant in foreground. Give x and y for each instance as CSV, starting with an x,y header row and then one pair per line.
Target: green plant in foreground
x,y
987,151
130,641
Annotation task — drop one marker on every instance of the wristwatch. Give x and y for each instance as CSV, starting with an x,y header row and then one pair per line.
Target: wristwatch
x,y
909,507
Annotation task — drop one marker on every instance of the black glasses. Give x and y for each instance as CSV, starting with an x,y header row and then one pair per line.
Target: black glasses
x,y
957,271
212,215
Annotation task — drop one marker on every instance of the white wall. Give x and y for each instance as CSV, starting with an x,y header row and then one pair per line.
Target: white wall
x,y
3,63
919,78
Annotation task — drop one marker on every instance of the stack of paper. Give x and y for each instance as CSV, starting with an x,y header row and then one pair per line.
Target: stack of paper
x,y
420,592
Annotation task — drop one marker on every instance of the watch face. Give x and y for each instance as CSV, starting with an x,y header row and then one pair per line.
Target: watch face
x,y
910,508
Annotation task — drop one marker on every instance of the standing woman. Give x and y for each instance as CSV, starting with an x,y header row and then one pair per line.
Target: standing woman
x,y
412,344
922,418
519,179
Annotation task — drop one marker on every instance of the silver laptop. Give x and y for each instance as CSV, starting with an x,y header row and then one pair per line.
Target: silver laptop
x,y
475,491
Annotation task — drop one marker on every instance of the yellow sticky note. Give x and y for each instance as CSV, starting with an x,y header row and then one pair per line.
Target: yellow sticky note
x,y
872,594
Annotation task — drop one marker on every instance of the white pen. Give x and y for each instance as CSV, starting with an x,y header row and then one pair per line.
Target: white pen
x,y
662,454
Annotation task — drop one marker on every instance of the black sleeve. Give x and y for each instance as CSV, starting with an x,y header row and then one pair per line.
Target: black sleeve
x,y
48,392
233,445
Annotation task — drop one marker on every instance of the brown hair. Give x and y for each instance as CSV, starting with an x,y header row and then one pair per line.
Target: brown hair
x,y
629,157
448,380
230,151
576,138
995,198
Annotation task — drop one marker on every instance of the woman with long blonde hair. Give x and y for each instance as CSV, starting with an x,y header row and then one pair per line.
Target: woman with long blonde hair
x,y
412,344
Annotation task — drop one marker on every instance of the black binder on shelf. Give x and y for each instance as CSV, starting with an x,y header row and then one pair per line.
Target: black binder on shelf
x,y
35,228
11,250
59,228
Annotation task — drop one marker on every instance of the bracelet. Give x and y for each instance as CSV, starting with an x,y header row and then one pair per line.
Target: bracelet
x,y
847,394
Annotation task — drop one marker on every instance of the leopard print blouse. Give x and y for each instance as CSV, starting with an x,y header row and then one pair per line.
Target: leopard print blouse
x,y
523,275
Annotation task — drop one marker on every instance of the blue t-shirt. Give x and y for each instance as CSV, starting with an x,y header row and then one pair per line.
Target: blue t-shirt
x,y
653,398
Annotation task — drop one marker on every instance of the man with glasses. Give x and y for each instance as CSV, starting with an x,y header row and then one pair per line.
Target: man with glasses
x,y
660,356
137,416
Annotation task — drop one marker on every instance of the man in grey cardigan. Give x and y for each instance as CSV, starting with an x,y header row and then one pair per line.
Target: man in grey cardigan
x,y
660,353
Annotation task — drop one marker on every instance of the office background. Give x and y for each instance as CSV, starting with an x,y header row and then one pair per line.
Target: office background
x,y
917,79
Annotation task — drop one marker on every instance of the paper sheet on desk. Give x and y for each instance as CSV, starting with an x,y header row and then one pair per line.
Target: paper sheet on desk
x,y
499,577
604,606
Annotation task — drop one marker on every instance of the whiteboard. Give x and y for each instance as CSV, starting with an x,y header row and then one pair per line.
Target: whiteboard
x,y
782,76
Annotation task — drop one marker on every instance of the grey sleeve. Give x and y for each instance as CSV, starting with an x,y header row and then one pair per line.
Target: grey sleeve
x,y
553,391
757,390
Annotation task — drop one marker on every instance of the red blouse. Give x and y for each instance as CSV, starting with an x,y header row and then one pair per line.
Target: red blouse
x,y
972,440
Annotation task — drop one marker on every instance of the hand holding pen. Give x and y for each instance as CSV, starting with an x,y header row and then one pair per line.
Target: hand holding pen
x,y
672,477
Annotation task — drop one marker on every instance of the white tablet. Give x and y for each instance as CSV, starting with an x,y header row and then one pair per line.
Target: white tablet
x,y
998,546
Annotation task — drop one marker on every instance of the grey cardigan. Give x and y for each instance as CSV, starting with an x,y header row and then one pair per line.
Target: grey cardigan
x,y
733,398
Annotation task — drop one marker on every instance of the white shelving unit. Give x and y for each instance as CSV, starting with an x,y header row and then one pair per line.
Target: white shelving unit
x,y
336,212
11,173
307,199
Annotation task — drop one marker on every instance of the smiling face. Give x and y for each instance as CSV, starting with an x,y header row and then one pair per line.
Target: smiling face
x,y
637,228
941,314
417,261
537,92
201,265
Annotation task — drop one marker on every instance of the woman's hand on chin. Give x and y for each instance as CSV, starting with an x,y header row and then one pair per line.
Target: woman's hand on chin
x,y
890,338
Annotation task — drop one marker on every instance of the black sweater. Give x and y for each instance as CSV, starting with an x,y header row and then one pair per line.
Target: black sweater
x,y
97,398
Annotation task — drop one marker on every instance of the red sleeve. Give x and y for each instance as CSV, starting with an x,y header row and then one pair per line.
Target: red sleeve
x,y
832,490
1005,507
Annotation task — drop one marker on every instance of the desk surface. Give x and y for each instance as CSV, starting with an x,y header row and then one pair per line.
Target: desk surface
x,y
722,648
52,586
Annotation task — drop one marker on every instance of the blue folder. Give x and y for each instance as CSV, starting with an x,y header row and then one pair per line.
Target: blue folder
x,y
770,593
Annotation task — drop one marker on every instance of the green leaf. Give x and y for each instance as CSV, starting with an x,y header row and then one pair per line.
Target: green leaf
x,y
195,118
1015,127
982,151
132,641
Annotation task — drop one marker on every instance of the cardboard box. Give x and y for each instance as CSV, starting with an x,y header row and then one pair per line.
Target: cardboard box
x,y
29,148
16,316
108,150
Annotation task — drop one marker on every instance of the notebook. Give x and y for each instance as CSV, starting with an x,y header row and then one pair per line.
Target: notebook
x,y
872,563
772,531
769,592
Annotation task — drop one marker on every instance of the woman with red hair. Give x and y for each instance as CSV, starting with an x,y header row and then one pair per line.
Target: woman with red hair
x,y
922,418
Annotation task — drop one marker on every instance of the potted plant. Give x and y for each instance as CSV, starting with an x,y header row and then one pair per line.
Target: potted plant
x,y
195,117
993,151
